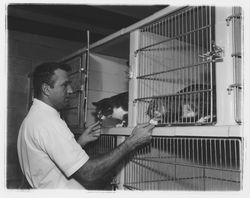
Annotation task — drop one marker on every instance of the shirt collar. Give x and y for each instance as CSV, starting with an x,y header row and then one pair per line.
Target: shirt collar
x,y
44,106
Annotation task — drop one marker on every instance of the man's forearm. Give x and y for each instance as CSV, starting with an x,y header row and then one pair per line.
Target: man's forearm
x,y
94,169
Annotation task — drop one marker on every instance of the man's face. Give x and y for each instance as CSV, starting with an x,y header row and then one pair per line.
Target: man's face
x,y
59,93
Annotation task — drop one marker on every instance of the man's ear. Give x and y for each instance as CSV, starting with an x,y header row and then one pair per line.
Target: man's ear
x,y
45,89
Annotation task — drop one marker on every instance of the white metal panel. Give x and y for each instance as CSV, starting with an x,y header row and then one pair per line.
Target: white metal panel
x,y
224,69
133,86
201,131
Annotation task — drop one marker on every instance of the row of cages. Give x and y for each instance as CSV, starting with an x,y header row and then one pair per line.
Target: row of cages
x,y
178,163
176,85
176,71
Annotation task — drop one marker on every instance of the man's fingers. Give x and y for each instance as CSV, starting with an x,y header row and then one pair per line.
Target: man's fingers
x,y
143,125
96,133
95,129
150,126
94,124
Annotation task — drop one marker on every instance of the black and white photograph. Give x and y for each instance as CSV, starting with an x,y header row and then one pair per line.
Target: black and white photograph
x,y
121,97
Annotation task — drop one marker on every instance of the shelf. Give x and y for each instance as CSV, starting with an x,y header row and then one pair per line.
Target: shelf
x,y
187,131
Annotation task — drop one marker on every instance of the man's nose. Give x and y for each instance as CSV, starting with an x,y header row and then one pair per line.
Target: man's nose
x,y
69,89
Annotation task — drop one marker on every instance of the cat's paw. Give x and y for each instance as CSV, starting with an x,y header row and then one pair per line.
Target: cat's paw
x,y
153,121
204,119
119,125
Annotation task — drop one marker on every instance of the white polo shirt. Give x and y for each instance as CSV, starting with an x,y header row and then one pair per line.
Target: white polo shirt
x,y
47,151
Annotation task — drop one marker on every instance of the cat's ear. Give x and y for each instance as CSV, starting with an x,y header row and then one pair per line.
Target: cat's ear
x,y
95,103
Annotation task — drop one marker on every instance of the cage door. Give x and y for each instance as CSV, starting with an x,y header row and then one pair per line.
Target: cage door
x,y
176,75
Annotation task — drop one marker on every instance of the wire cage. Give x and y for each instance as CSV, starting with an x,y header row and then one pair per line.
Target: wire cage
x,y
176,75
186,163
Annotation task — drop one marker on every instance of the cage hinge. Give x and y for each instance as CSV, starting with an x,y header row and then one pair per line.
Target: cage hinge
x,y
82,87
236,55
82,70
233,86
136,52
230,18
131,74
214,55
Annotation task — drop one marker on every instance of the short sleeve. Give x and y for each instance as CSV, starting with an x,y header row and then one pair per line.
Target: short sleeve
x,y
59,143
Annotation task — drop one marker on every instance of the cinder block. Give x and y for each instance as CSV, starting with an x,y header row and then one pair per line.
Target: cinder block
x,y
13,47
15,117
12,133
18,83
18,65
12,156
16,99
13,171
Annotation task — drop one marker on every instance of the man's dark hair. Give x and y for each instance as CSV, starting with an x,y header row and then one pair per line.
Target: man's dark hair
x,y
43,74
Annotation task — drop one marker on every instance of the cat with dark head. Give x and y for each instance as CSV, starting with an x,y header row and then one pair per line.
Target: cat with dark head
x,y
115,107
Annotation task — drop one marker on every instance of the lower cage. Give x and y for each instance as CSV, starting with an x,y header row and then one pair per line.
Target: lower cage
x,y
103,145
179,163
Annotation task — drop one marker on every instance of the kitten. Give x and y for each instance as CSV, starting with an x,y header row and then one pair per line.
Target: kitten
x,y
191,104
115,107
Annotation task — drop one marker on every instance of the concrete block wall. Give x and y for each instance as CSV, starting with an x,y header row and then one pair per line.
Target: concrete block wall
x,y
25,51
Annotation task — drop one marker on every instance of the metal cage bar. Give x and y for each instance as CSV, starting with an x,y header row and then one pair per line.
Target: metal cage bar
x,y
175,75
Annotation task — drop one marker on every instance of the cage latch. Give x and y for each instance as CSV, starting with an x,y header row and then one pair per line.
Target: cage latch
x,y
215,55
233,86
230,18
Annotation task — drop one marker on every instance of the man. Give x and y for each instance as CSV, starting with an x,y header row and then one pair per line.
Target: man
x,y
49,155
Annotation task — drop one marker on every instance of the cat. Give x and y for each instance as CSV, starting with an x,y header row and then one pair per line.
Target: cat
x,y
189,105
114,107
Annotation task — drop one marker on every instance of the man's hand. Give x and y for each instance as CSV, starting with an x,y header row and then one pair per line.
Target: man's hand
x,y
90,134
141,134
